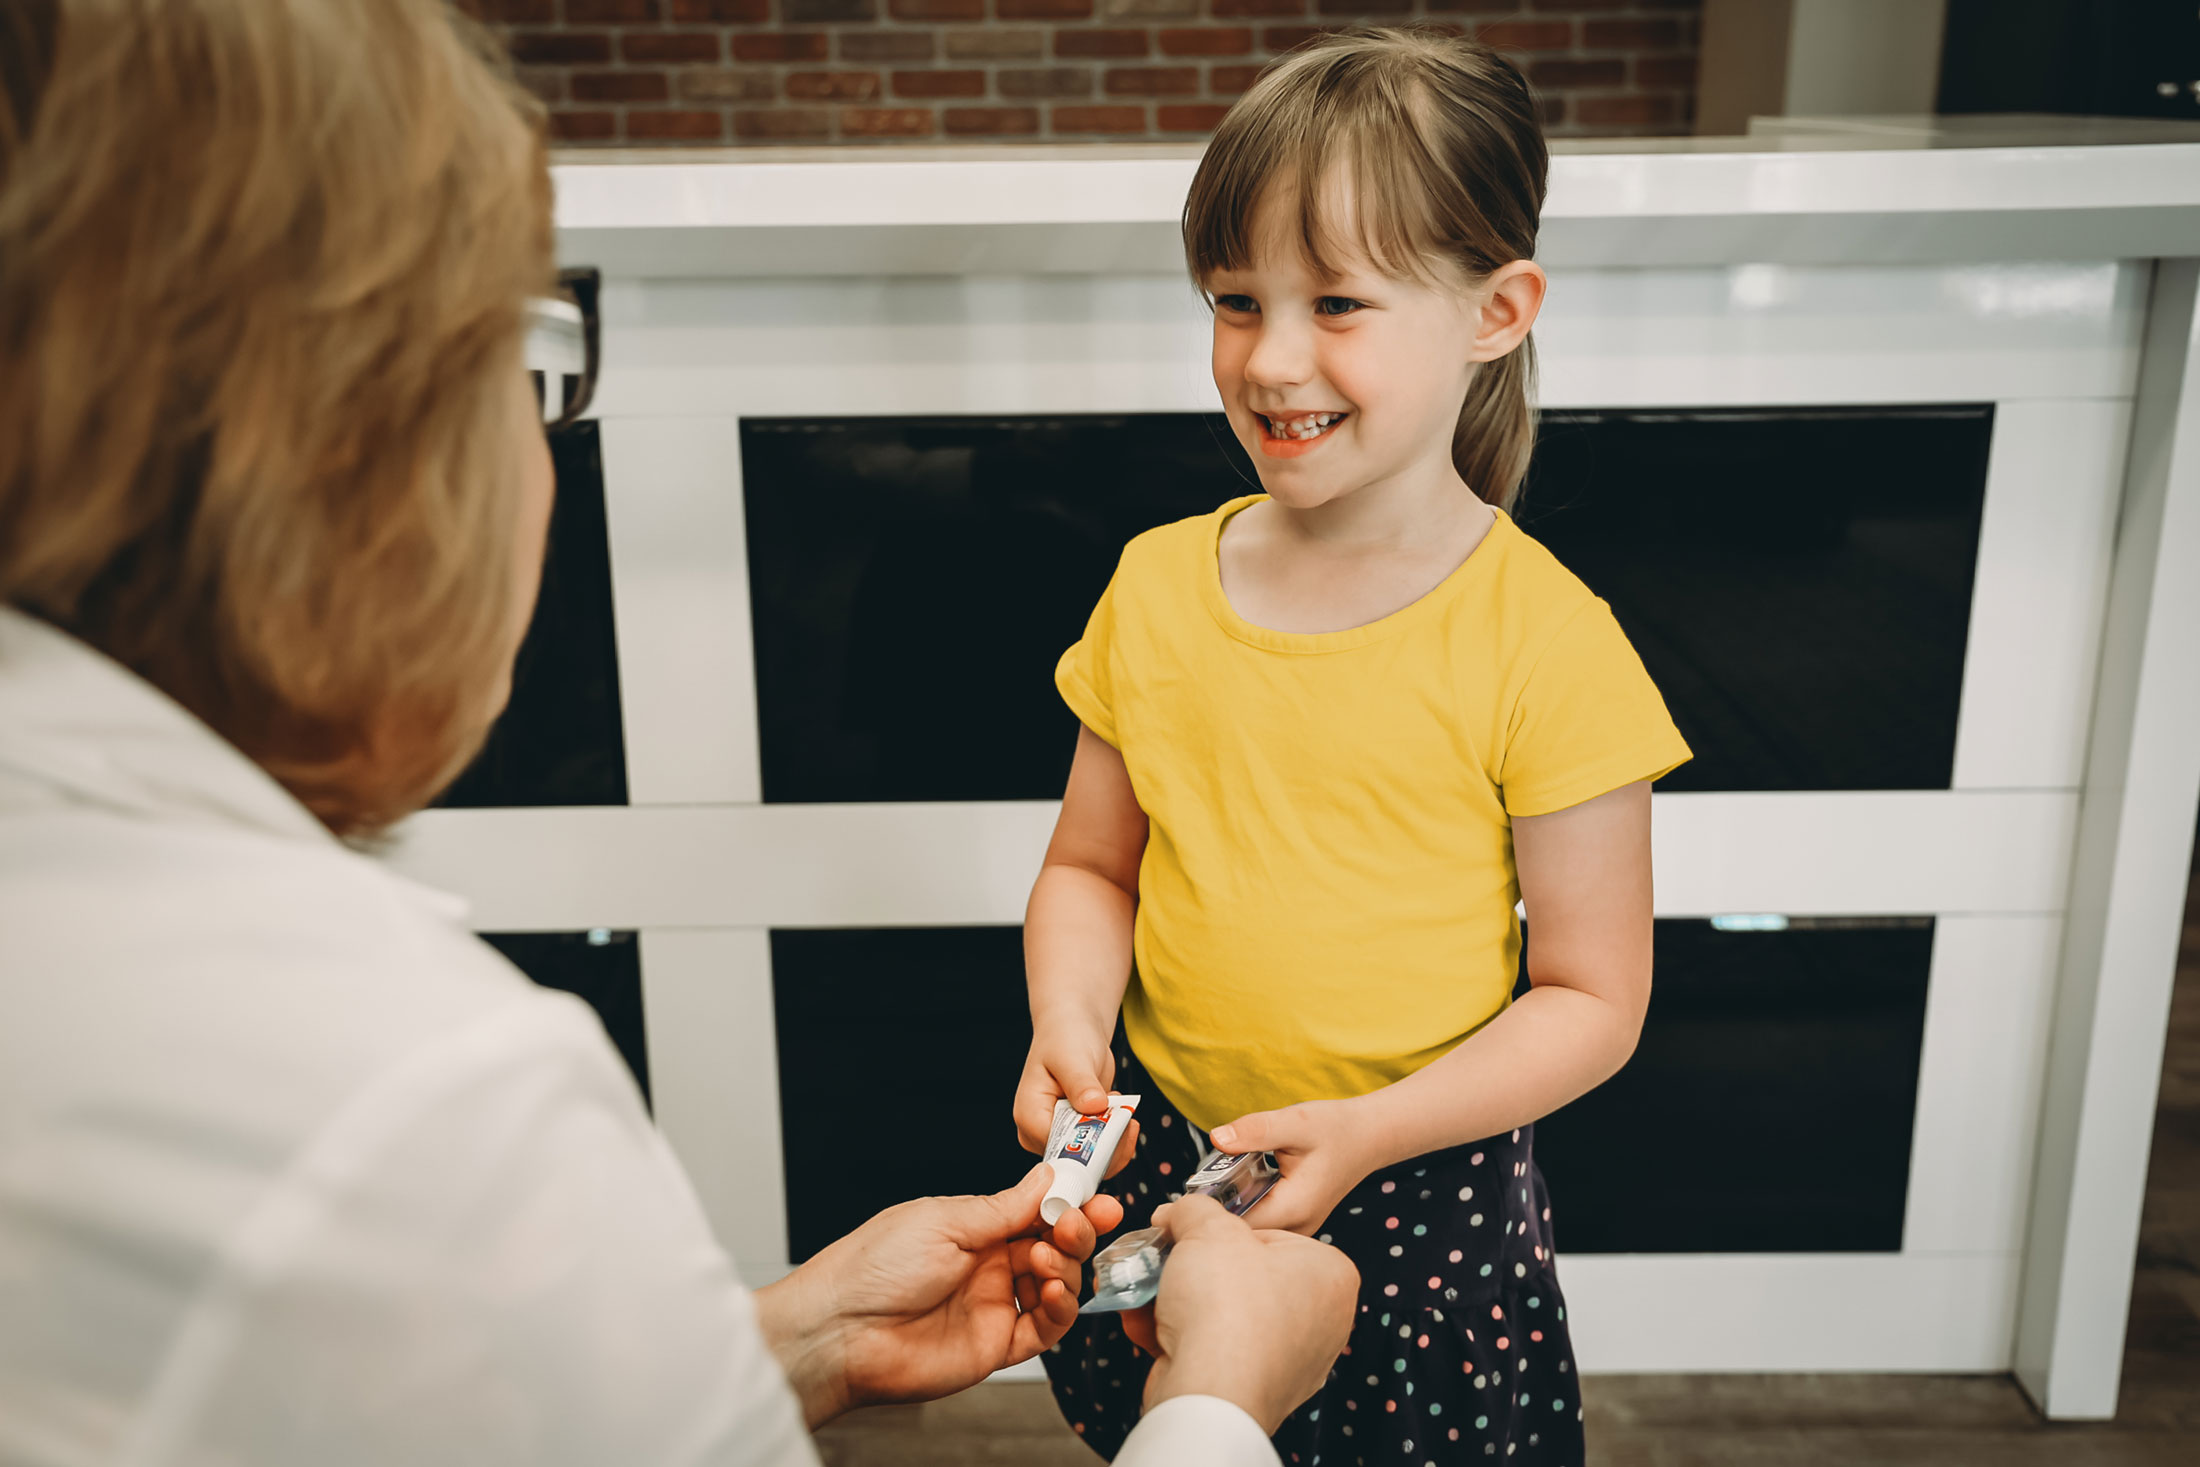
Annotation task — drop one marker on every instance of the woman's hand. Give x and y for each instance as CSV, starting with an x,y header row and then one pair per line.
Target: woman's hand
x,y
930,1297
1070,1064
1256,1318
1321,1150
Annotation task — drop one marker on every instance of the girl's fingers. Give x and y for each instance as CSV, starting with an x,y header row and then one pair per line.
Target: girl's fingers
x,y
1125,1149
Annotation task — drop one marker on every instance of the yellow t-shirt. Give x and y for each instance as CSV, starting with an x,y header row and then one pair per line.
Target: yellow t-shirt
x,y
1326,900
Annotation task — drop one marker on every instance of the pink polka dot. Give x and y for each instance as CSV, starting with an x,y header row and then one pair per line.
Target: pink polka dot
x,y
1539,1252
1456,1255
1390,1186
1390,1222
1467,1369
1503,1343
1164,1169
1390,1290
1470,1340
1390,1405
1497,1311
1536,1335
1434,1282
1475,1160
1423,1342
1078,1427
1455,1433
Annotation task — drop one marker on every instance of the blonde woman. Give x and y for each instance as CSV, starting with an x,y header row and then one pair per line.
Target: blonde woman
x,y
292,1168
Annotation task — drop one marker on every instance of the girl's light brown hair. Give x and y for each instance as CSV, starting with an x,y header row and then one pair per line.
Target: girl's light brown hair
x,y
263,277
1440,144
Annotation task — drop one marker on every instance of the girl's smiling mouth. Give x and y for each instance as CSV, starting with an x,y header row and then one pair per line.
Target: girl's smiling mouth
x,y
1289,436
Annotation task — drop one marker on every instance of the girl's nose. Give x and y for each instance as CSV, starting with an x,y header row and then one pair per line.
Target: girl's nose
x,y
1282,357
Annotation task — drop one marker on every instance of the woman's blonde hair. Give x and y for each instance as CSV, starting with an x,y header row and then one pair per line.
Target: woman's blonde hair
x,y
263,279
1440,142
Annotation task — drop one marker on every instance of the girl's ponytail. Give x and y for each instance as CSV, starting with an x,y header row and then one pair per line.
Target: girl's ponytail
x,y
1496,431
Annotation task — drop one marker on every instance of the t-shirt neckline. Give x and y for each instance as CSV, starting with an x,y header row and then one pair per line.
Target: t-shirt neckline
x,y
1409,615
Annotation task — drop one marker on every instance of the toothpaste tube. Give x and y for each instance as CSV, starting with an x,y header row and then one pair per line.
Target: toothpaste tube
x,y
1127,1273
1079,1150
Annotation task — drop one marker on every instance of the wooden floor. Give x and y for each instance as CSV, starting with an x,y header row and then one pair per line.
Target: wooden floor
x,y
1781,1420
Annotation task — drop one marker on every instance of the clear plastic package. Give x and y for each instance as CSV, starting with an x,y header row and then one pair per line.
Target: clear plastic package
x,y
1127,1273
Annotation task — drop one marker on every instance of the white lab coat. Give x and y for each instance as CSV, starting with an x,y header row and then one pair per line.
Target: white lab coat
x,y
294,1169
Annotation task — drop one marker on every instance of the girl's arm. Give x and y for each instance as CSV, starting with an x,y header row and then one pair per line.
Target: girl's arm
x,y
1585,879
1077,941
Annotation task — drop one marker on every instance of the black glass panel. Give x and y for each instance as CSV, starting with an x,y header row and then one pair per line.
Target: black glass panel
x,y
601,966
901,1047
1798,583
560,741
1768,1108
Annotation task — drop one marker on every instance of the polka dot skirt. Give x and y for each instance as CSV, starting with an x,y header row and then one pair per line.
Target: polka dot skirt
x,y
1460,1353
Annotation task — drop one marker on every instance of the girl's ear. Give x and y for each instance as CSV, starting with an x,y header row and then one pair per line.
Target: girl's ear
x,y
1510,299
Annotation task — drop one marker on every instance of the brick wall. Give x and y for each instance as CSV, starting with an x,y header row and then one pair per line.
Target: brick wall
x,y
654,73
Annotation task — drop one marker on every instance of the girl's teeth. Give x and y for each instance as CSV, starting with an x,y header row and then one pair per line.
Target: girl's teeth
x,y
1312,425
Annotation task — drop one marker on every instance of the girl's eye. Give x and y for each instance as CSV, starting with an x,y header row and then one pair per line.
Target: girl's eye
x,y
1244,304
1336,305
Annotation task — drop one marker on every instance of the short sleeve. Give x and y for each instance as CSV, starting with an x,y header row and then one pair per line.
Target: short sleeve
x,y
1587,721
1085,675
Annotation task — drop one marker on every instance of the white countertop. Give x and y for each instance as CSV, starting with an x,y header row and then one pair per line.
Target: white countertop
x,y
1801,191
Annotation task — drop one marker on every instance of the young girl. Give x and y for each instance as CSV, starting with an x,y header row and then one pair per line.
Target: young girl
x,y
1332,734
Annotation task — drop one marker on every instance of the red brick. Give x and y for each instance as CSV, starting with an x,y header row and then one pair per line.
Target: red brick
x,y
1630,35
825,12
613,12
514,12
1625,111
1099,119
886,122
577,127
722,12
1486,7
1099,43
559,48
1044,9
1527,35
997,43
783,122
1152,81
1188,117
990,121
1238,9
725,86
939,84
670,46
860,45
1665,71
1563,71
621,86
1212,40
832,86
1044,81
1363,7
1290,37
780,46
687,127
1228,81
938,9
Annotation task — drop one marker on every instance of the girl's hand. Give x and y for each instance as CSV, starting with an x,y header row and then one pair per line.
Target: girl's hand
x,y
1066,1065
1323,1155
